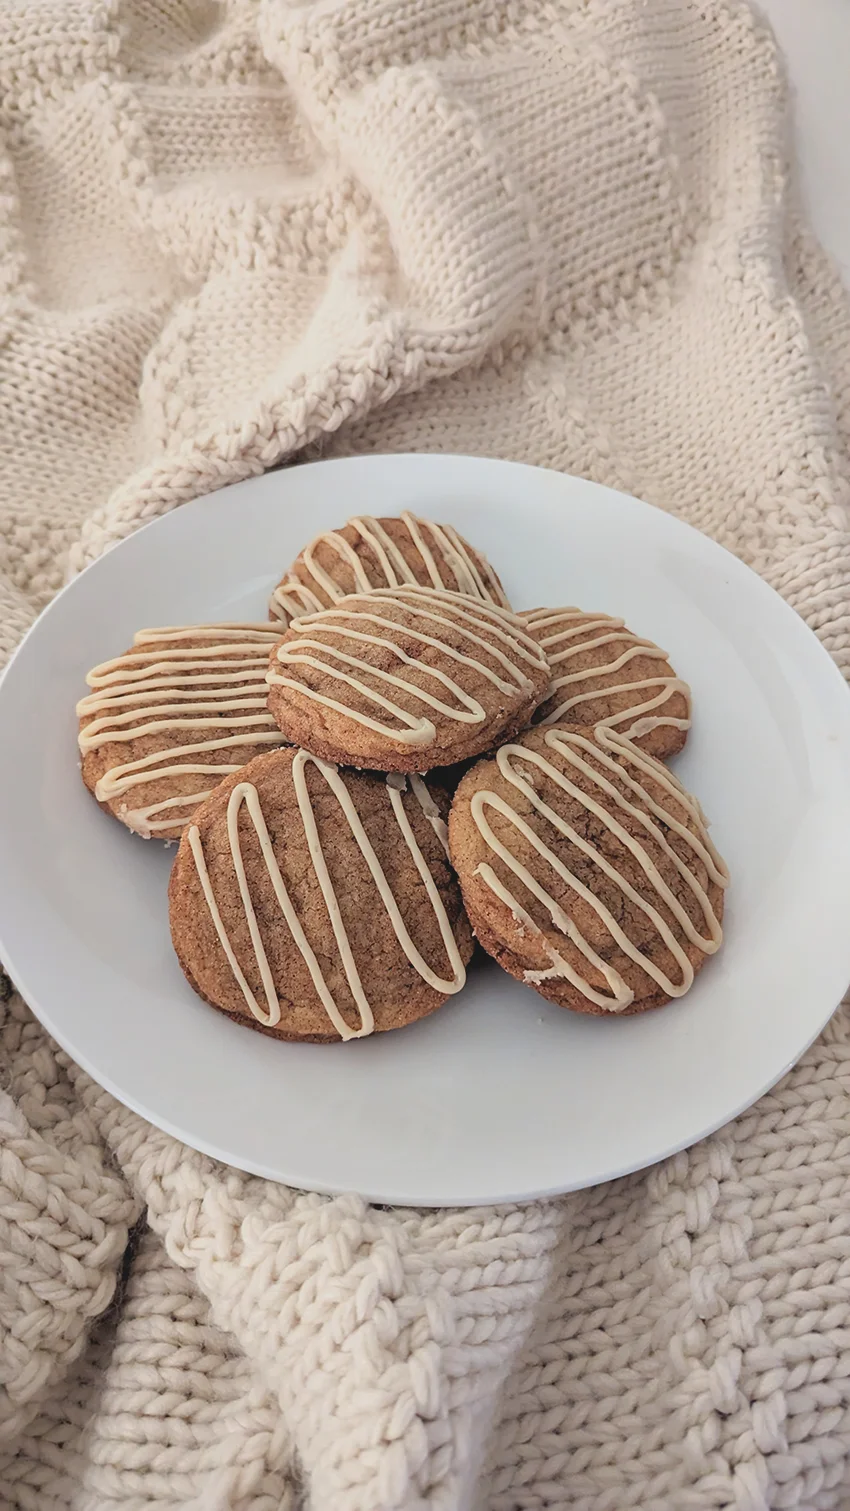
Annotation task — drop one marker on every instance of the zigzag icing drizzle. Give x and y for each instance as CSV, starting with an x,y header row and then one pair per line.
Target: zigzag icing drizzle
x,y
246,793
328,642
604,801
566,634
444,553
158,688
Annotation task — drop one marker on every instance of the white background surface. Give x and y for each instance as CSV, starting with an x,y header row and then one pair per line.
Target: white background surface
x,y
815,37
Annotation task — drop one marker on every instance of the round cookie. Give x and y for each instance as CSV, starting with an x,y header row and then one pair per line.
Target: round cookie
x,y
602,673
587,870
319,904
172,716
404,679
377,553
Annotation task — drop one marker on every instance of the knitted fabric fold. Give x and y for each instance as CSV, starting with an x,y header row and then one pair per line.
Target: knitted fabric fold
x,y
563,231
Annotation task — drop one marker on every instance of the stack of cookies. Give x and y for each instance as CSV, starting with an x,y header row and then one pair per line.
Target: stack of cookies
x,y
394,764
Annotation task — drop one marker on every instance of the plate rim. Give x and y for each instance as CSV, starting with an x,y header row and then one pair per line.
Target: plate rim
x,y
429,459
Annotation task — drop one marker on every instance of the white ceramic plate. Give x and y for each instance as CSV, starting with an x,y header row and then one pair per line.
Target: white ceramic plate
x,y
500,1095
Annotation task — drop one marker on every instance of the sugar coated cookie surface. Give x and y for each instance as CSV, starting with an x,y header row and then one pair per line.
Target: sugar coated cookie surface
x,y
602,673
377,553
587,870
168,719
319,904
404,679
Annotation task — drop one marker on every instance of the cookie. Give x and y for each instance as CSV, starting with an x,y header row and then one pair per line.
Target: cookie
x,y
404,679
382,553
602,673
172,716
319,904
587,870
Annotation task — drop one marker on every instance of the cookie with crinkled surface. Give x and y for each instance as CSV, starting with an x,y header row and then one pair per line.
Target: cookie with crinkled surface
x,y
405,679
319,904
370,553
602,673
587,871
172,716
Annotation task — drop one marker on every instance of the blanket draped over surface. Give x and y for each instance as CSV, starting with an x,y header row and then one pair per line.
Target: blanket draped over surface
x,y
562,231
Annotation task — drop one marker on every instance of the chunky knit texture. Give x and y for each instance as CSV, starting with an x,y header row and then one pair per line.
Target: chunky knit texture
x,y
557,230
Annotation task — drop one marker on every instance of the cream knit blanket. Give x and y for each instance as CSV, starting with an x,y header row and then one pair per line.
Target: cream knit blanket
x,y
556,230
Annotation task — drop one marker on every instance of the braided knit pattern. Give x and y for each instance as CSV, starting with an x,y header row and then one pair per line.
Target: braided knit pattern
x,y
562,231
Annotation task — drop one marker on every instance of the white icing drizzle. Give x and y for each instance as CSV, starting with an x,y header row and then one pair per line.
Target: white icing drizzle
x,y
426,803
604,801
425,612
160,687
445,554
565,634
246,793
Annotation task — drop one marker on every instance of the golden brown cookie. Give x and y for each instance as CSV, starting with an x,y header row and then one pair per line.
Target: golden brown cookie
x,y
403,679
587,870
169,718
319,904
602,673
377,553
